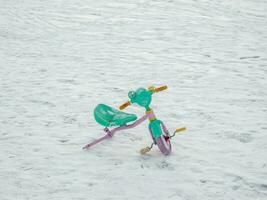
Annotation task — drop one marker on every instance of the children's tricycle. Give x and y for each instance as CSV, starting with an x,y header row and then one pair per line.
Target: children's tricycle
x,y
110,117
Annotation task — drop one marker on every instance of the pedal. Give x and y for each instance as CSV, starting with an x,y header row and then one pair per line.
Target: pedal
x,y
180,129
145,150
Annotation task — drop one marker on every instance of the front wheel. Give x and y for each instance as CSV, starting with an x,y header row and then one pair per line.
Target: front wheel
x,y
164,144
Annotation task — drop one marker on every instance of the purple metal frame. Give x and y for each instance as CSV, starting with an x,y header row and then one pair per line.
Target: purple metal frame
x,y
110,133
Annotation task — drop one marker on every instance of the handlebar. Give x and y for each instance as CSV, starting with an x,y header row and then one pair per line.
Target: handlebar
x,y
159,89
151,89
126,104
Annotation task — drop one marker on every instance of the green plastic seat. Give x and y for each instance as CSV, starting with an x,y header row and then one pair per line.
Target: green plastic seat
x,y
108,116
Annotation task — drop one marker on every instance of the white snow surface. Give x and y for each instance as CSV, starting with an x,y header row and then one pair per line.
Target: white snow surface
x,y
59,59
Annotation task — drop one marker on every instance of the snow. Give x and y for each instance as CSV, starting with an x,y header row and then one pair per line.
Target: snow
x,y
59,59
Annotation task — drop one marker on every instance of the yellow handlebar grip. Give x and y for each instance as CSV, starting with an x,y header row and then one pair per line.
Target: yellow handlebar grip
x,y
160,88
123,106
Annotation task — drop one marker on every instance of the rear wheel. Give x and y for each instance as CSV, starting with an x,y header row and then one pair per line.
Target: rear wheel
x,y
164,144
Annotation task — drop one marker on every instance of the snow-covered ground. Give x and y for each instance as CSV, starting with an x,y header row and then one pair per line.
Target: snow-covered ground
x,y
59,59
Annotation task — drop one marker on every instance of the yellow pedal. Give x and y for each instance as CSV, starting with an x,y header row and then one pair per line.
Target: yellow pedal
x,y
145,150
180,129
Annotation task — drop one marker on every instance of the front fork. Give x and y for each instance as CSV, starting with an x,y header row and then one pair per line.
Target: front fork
x,y
157,128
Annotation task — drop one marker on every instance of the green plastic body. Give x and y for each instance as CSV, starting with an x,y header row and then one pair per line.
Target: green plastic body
x,y
155,128
108,116
142,97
